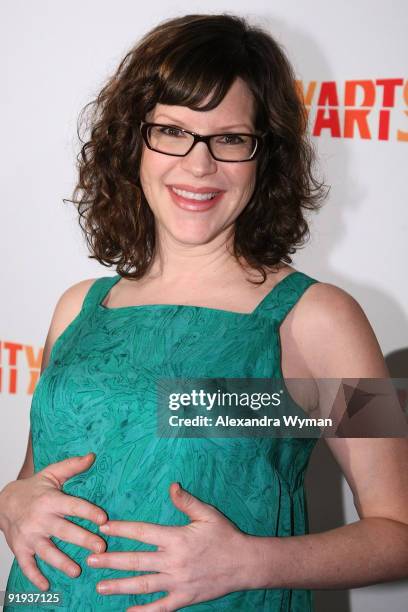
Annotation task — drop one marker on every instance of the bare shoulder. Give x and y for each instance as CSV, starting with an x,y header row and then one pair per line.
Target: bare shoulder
x,y
72,299
66,310
335,336
69,306
324,299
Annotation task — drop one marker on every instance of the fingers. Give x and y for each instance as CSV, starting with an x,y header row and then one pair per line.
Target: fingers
x,y
48,552
149,533
148,583
30,569
62,470
133,561
69,532
76,506
59,473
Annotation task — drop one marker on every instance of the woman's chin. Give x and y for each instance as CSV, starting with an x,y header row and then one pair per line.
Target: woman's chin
x,y
193,240
190,234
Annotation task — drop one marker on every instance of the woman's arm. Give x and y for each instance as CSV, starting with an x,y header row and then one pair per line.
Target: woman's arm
x,y
27,469
67,308
337,341
33,507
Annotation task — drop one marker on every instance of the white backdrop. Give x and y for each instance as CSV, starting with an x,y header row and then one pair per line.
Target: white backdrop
x,y
54,58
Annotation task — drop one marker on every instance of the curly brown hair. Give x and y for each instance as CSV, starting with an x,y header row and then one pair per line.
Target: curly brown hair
x,y
182,61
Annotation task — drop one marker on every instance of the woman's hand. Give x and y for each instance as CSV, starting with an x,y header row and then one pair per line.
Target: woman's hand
x,y
32,510
195,562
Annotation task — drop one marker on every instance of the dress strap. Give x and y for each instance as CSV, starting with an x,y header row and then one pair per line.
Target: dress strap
x,y
97,292
284,295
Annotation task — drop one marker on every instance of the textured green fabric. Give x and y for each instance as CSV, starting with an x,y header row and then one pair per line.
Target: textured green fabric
x,y
98,394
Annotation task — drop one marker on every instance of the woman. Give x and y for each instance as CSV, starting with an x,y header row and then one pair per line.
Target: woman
x,y
194,183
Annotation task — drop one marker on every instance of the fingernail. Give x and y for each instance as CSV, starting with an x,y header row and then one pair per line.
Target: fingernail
x,y
92,560
102,588
104,527
98,547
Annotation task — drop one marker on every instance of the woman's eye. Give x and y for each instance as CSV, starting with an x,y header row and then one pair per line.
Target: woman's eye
x,y
232,139
171,131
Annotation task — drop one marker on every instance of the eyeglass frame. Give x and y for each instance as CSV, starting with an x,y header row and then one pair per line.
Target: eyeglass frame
x,y
144,126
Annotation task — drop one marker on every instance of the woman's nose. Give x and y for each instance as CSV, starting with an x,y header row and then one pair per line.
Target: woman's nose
x,y
199,161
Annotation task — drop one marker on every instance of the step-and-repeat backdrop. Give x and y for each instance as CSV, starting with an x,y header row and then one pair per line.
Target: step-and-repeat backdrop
x,y
351,64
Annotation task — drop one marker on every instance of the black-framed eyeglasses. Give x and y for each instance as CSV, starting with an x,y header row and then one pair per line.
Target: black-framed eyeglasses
x,y
176,141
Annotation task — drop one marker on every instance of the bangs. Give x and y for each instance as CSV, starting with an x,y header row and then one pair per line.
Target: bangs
x,y
190,73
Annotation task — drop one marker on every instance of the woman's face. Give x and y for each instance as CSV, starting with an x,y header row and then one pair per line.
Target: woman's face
x,y
159,173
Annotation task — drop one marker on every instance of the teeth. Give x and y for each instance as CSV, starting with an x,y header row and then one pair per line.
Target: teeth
x,y
195,196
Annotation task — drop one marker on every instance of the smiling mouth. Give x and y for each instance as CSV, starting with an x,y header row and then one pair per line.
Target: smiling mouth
x,y
194,201
193,195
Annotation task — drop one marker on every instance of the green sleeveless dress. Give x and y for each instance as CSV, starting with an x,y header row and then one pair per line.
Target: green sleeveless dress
x,y
98,394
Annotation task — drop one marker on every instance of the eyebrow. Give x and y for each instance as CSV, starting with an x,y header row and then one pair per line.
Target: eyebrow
x,y
221,129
